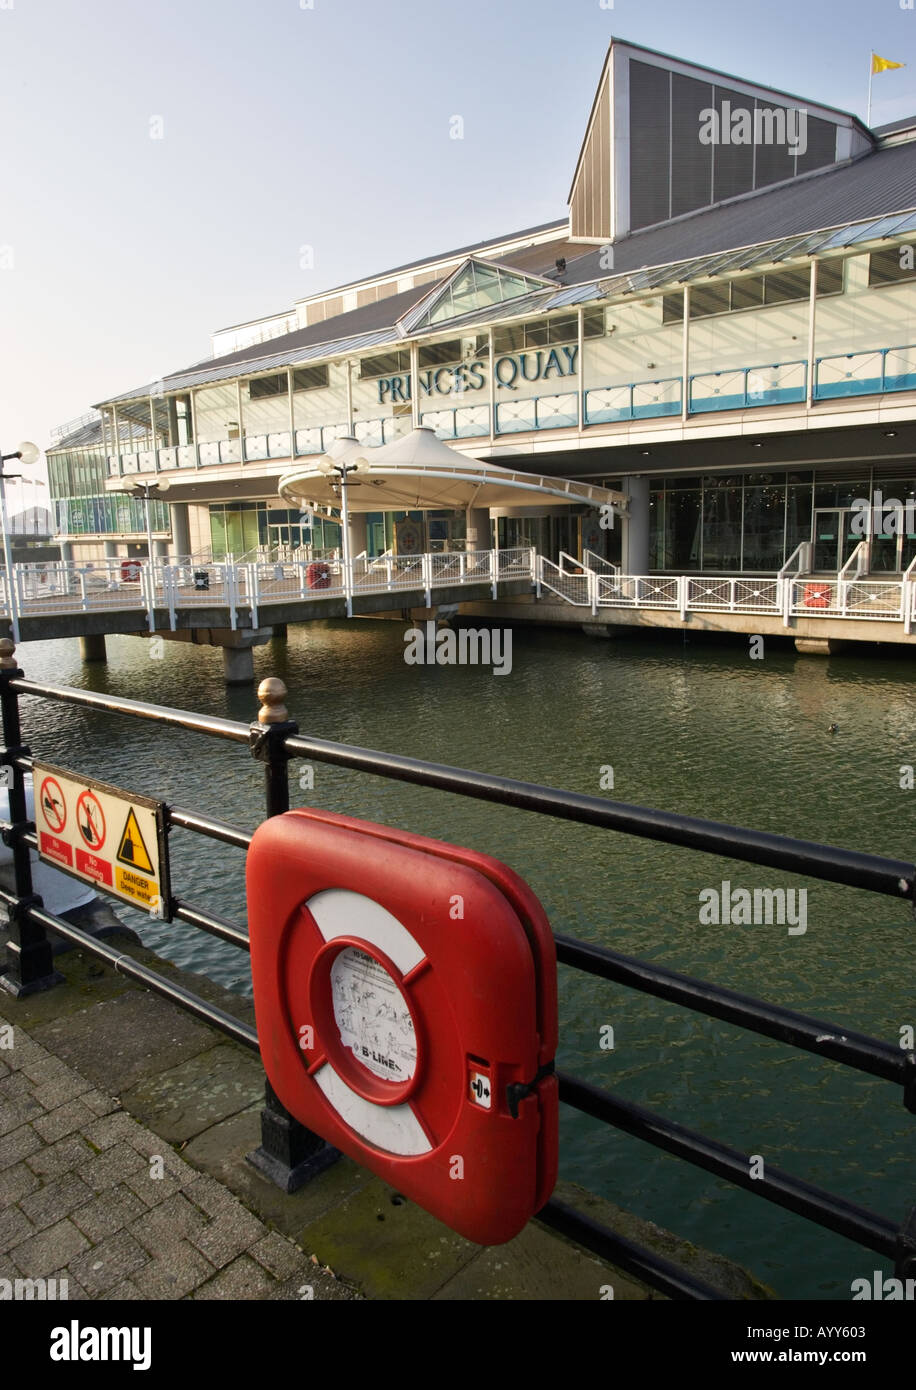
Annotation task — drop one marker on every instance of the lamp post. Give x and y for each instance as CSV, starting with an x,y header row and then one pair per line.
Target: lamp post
x,y
330,466
27,453
132,486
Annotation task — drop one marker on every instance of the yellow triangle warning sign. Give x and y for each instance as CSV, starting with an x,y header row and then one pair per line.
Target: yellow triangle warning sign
x,y
132,849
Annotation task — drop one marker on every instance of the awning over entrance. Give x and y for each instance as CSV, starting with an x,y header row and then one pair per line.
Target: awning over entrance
x,y
419,472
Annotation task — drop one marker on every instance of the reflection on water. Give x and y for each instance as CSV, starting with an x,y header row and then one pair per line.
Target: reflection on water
x,y
694,728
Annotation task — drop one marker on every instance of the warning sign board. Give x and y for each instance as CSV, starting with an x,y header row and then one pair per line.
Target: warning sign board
x,y
114,838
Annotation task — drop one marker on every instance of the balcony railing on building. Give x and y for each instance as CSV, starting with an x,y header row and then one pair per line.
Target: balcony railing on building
x,y
873,372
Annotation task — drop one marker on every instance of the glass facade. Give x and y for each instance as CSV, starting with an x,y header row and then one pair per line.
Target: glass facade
x,y
76,479
751,524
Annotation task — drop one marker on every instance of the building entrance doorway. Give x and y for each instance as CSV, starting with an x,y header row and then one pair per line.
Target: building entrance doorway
x,y
833,537
287,537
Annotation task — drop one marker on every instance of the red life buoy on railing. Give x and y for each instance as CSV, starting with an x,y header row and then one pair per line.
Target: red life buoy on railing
x,y
405,994
817,596
318,575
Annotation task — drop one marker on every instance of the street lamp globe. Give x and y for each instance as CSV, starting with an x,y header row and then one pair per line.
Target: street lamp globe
x,y
28,452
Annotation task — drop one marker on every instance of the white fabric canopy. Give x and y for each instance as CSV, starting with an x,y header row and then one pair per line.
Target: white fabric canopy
x,y
420,472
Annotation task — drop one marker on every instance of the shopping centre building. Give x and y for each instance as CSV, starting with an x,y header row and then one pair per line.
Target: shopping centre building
x,y
721,328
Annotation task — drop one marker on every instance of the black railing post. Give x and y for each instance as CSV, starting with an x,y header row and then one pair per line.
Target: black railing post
x,y
29,959
905,1264
289,1154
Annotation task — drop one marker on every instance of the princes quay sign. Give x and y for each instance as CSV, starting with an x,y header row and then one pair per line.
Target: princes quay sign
x,y
547,364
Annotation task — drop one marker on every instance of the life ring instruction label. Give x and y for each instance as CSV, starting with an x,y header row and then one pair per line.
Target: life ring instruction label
x,y
372,1016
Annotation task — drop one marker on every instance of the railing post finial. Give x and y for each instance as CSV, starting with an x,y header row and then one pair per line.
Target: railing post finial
x,y
8,661
272,694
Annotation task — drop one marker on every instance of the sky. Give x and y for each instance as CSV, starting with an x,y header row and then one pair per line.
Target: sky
x,y
170,167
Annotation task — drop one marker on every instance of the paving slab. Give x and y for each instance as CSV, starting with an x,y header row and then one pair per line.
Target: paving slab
x,y
527,1268
108,1209
183,1101
392,1248
223,1150
119,1042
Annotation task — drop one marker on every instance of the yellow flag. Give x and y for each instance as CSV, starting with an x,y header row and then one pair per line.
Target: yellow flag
x,y
882,64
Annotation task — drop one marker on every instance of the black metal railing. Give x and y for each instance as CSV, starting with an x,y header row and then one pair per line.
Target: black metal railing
x,y
290,1154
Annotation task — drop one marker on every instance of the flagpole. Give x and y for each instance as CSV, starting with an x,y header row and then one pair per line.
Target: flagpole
x,y
871,73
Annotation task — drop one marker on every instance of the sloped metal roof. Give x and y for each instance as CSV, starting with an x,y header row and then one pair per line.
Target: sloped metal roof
x,y
871,188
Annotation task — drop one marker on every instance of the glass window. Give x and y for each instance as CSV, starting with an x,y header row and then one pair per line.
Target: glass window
x,y
798,516
764,523
787,285
565,330
310,378
722,528
434,354
682,530
830,277
267,386
510,339
710,299
747,293
887,267
673,308
387,364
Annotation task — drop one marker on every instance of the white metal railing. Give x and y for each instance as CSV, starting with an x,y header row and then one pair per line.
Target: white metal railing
x,y
737,595
598,563
639,591
859,597
801,561
883,599
573,588
164,587
857,562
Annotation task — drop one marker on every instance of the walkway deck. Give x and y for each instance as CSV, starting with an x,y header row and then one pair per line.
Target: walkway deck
x,y
67,600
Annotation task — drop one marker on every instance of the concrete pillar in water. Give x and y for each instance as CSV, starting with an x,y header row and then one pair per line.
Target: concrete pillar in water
x,y
92,648
478,528
280,633
238,658
818,646
238,665
635,541
181,529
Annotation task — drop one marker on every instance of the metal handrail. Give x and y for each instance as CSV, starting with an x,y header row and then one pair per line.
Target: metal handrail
x,y
830,863
858,560
801,554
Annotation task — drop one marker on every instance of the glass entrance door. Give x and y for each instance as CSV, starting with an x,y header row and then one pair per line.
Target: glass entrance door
x,y
887,541
286,538
833,537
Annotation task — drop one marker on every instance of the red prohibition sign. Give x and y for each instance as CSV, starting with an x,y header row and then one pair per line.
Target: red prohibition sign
x,y
53,805
91,819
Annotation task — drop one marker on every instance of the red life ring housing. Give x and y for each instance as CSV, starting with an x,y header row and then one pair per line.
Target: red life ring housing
x,y
405,996
318,575
817,595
